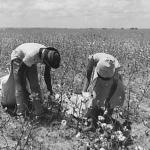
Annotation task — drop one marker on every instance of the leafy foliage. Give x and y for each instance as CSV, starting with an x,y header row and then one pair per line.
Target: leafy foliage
x,y
131,47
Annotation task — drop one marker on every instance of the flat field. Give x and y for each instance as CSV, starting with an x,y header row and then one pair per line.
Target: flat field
x,y
132,49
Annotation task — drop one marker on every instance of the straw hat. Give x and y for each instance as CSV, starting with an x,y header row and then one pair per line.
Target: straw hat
x,y
106,67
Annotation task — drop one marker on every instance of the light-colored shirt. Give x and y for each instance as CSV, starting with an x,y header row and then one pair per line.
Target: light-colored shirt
x,y
28,53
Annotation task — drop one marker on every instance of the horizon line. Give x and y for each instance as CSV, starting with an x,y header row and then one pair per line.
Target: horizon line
x,y
73,28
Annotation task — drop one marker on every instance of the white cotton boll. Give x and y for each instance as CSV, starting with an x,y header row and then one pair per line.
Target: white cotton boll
x,y
57,96
100,118
112,136
121,138
139,148
78,135
103,125
109,126
102,148
63,124
69,111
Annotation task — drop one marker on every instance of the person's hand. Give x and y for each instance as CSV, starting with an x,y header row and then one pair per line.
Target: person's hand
x,y
86,94
87,99
51,97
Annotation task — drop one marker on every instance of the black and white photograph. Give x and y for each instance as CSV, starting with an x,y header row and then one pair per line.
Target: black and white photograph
x,y
74,75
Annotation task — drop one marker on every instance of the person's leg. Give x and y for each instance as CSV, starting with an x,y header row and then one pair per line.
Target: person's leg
x,y
32,76
18,70
108,116
92,115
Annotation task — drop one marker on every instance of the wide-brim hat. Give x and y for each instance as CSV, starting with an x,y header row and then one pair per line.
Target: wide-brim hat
x,y
106,67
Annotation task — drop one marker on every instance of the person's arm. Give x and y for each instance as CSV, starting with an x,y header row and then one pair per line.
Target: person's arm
x,y
118,72
89,71
47,78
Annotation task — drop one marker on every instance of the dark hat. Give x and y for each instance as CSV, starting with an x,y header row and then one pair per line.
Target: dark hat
x,y
52,57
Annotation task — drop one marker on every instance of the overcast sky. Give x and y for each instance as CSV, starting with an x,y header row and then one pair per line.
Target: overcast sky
x,y
75,13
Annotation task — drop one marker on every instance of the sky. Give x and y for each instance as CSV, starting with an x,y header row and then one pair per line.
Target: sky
x,y
75,13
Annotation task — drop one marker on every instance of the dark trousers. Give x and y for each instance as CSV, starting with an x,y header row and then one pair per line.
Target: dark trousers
x,y
21,74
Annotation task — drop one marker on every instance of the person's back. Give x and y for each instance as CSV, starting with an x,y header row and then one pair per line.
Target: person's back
x,y
28,53
102,88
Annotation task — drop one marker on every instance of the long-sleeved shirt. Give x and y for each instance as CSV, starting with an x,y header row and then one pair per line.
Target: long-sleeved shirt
x,y
101,88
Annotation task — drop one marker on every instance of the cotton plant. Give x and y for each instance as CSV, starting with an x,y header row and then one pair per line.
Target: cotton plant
x,y
106,136
74,104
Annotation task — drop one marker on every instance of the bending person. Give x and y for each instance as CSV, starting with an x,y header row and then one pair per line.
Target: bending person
x,y
107,86
24,60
